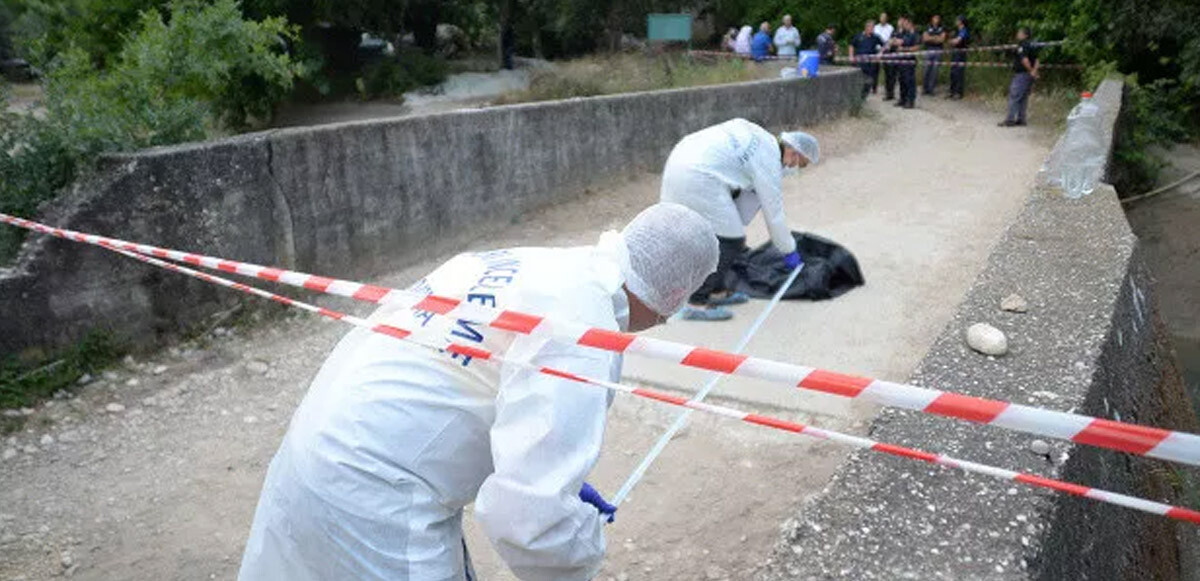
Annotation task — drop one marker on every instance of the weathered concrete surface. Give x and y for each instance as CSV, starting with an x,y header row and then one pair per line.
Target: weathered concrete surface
x,y
353,199
1091,342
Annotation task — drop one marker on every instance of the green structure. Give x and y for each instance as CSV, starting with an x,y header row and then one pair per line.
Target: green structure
x,y
669,27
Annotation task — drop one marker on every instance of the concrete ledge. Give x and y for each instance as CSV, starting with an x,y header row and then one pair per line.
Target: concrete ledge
x,y
1090,342
353,199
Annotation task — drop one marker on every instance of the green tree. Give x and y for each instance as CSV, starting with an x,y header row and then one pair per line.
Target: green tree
x,y
43,29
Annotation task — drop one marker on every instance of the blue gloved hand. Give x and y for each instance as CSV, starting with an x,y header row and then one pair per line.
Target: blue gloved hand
x,y
590,496
792,261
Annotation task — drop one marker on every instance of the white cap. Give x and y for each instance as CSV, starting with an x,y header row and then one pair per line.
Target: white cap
x,y
803,143
671,251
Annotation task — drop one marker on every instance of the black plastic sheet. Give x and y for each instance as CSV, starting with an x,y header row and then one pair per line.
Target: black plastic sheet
x,y
829,271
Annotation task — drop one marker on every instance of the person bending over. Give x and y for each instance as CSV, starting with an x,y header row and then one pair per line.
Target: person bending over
x,y
392,440
727,173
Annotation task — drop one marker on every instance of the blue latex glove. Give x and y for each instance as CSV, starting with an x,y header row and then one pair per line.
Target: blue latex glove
x,y
590,496
792,261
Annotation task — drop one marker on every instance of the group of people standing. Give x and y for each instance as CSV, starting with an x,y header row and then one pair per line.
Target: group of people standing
x,y
760,45
894,50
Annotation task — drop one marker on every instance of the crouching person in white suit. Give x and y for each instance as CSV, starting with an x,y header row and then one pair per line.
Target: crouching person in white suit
x,y
392,440
727,173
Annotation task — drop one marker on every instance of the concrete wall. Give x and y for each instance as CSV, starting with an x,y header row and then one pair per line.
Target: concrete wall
x,y
1091,342
351,200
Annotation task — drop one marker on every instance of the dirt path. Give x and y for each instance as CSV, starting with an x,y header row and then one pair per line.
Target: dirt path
x,y
163,486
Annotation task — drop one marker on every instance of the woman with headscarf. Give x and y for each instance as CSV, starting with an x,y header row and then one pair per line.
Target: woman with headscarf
x,y
742,44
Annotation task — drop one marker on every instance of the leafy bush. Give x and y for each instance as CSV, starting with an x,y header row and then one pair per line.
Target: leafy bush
x,y
171,83
408,70
43,29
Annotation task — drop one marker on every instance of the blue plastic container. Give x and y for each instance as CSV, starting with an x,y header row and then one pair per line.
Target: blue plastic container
x,y
810,61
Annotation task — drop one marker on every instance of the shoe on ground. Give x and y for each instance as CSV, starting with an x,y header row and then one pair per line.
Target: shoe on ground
x,y
1006,123
691,313
1019,123
888,98
910,105
736,298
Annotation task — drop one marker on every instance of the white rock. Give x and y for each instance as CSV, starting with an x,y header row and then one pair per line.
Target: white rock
x,y
46,440
161,369
258,367
85,379
31,450
1039,447
114,408
9,454
133,382
987,339
249,419
1014,303
66,560
129,360
110,375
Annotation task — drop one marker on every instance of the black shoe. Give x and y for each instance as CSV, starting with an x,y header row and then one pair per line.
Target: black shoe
x,y
899,104
910,106
1020,123
888,98
1006,123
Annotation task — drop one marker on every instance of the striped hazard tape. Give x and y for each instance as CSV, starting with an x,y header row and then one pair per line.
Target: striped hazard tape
x,y
986,64
421,338
1131,438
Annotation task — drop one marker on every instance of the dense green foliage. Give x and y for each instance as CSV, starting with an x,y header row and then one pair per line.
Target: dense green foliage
x,y
202,69
44,28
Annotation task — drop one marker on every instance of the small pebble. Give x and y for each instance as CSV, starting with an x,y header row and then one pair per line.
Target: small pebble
x,y
987,339
1040,447
114,408
1014,303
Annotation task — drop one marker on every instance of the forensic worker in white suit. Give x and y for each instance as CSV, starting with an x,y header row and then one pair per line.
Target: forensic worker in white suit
x,y
392,440
728,173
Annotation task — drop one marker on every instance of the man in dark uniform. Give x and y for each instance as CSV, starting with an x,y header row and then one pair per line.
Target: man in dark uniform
x,y
958,70
906,41
865,47
1025,72
934,39
826,46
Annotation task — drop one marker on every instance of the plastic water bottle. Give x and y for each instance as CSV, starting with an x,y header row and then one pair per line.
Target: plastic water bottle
x,y
1083,152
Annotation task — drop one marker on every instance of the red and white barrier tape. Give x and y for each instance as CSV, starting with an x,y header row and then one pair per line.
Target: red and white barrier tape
x,y
889,55
992,64
1150,506
1131,438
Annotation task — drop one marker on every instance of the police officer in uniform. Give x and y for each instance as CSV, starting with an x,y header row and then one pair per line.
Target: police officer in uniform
x,y
958,70
865,47
906,41
934,39
1025,72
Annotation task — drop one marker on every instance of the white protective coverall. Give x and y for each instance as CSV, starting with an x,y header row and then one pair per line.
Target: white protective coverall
x,y
705,167
393,440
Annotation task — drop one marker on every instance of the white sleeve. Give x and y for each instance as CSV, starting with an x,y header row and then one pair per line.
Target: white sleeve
x,y
767,174
545,439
